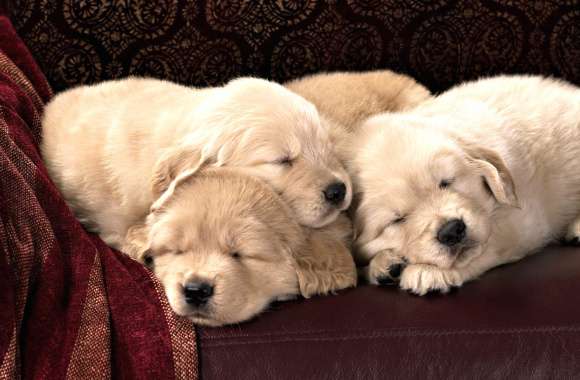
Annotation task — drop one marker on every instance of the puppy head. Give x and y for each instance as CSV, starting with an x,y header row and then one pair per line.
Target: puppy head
x,y
276,135
225,245
425,197
222,245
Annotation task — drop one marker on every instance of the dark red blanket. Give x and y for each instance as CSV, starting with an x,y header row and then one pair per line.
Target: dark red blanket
x,y
69,306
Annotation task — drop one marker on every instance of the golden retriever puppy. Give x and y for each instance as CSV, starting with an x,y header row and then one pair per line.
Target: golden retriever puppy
x,y
482,175
104,143
225,245
348,98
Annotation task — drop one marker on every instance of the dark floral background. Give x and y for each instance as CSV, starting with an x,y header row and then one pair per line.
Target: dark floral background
x,y
440,42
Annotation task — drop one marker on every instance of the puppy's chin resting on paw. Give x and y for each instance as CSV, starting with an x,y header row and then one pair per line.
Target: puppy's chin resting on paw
x,y
225,245
481,175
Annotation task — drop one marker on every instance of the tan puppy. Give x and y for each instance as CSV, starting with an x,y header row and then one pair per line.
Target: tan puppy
x,y
103,144
482,175
225,245
348,98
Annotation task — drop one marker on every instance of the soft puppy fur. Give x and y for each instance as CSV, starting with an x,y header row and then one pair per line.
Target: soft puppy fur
x,y
225,245
482,175
348,98
112,147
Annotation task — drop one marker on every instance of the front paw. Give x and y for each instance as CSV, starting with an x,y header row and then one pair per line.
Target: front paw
x,y
384,269
421,279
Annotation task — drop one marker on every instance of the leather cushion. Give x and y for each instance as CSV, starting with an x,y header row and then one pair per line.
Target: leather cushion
x,y
518,321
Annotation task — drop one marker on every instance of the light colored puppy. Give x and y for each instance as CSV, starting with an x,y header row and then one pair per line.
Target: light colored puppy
x,y
225,245
482,175
348,98
103,144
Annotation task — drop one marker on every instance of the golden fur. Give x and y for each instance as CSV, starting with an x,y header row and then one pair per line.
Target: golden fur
x,y
348,98
104,144
234,232
143,162
499,154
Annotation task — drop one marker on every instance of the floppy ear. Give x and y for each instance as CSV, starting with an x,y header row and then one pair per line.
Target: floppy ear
x,y
172,163
326,264
495,173
340,138
173,167
136,244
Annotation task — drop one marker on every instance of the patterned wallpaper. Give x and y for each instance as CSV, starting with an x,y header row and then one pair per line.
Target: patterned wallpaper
x,y
440,42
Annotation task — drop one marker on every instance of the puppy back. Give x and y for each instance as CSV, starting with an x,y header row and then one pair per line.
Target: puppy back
x,y
349,98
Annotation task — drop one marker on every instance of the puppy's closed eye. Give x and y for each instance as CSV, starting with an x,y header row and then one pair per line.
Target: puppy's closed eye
x,y
398,220
284,161
445,183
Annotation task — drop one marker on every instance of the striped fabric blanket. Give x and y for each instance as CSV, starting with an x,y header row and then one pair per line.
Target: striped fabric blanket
x,y
70,307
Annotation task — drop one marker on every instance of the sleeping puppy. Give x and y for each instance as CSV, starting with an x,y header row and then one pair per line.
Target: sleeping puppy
x,y
103,144
345,99
225,245
482,175
348,98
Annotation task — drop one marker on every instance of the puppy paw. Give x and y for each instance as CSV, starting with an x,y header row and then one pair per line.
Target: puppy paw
x,y
384,269
573,233
421,279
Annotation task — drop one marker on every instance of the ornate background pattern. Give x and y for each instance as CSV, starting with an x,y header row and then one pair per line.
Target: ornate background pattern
x,y
207,42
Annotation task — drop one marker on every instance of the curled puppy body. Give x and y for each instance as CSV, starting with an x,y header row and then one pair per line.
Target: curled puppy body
x,y
348,98
482,175
224,245
345,99
103,144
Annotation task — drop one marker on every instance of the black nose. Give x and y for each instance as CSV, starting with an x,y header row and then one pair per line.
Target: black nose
x,y
452,232
335,193
395,270
197,293
394,273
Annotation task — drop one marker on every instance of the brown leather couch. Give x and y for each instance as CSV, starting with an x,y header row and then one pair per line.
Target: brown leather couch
x,y
518,322
521,321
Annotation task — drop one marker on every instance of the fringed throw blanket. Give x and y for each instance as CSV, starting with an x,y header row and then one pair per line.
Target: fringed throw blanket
x,y
70,307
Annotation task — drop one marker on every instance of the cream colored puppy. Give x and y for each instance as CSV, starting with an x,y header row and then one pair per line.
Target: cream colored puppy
x,y
482,175
348,98
225,245
103,144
